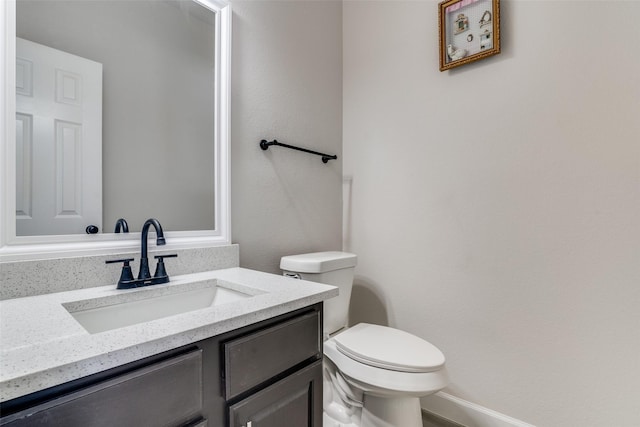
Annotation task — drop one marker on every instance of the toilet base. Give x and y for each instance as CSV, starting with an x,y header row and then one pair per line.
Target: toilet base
x,y
327,421
383,412
391,412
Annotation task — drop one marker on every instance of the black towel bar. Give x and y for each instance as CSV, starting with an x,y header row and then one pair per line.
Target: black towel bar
x,y
264,144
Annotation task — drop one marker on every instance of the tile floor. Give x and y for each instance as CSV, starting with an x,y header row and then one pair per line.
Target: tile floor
x,y
432,420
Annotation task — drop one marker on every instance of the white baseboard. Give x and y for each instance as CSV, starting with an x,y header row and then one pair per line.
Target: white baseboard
x,y
466,413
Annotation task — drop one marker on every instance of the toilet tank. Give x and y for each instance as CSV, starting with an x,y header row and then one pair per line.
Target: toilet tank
x,y
331,268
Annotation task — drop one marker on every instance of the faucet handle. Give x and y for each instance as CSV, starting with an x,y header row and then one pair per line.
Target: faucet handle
x,y
126,280
161,276
111,261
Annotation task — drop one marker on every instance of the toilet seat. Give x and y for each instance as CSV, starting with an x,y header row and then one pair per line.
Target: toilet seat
x,y
384,382
389,348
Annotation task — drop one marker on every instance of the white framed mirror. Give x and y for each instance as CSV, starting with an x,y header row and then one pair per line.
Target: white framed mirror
x,y
162,181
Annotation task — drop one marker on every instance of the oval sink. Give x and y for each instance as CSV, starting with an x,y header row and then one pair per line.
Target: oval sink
x,y
149,304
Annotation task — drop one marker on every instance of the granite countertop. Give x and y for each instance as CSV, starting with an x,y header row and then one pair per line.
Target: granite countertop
x,y
42,345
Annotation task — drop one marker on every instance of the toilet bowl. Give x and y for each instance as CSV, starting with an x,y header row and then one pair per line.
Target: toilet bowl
x,y
374,375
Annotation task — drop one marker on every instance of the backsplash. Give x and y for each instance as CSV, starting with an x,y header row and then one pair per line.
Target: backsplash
x,y
29,278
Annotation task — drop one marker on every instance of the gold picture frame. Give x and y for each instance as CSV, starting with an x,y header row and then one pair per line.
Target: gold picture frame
x,y
469,30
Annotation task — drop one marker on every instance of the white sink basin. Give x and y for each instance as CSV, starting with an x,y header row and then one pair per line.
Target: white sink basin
x,y
152,303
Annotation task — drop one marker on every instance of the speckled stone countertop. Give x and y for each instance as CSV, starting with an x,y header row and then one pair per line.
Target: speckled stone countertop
x,y
42,345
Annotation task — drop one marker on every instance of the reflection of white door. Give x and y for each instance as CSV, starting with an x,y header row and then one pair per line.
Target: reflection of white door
x,y
58,141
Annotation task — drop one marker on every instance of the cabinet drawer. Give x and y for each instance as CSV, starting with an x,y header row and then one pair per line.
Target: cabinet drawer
x,y
255,358
166,393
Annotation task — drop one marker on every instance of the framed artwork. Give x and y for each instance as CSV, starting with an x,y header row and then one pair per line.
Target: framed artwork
x,y
469,31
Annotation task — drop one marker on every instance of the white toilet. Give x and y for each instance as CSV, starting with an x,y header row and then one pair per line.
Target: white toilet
x,y
374,375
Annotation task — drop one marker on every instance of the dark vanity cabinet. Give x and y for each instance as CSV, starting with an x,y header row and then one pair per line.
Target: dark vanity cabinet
x,y
266,374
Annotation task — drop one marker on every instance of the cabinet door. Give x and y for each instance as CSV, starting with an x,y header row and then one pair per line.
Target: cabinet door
x,y
166,393
295,401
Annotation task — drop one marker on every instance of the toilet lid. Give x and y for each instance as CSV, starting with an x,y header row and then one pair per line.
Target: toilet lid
x,y
389,348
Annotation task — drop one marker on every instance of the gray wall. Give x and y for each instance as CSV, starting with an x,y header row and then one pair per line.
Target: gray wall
x,y
157,136
287,85
496,207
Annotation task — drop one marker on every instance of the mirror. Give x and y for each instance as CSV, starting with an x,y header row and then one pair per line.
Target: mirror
x,y
154,75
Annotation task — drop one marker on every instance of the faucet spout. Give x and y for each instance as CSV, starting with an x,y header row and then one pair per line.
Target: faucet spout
x,y
144,261
121,224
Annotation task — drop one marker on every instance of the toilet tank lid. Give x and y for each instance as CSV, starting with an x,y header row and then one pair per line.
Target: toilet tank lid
x,y
318,262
